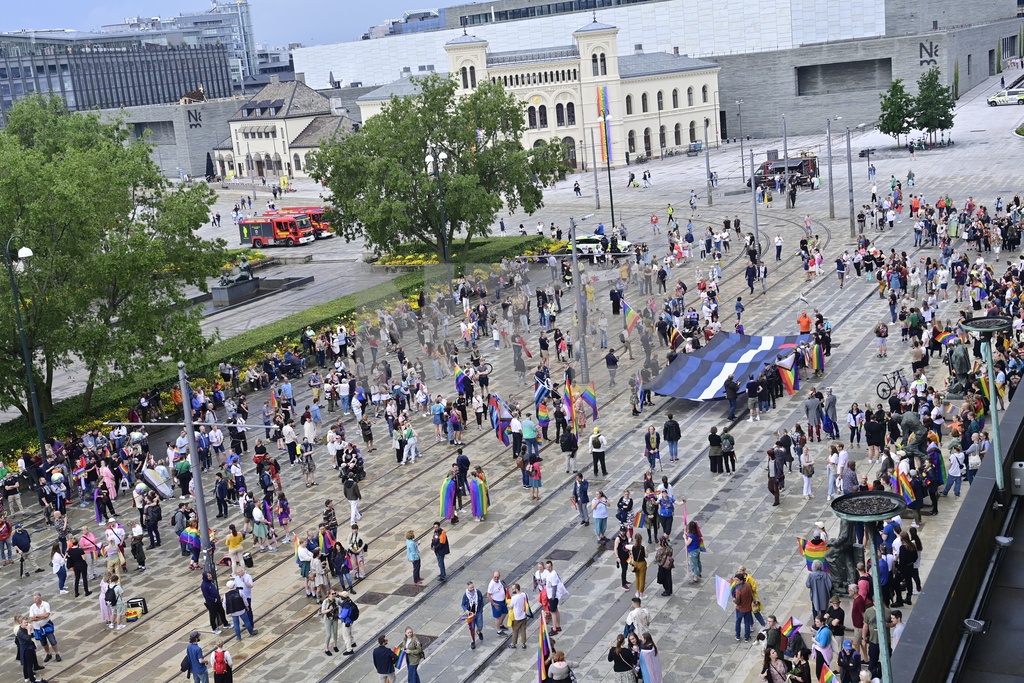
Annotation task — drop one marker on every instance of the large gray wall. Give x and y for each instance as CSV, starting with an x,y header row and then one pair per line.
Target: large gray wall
x,y
182,134
769,85
912,17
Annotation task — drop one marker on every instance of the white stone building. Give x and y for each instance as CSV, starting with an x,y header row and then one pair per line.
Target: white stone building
x,y
656,102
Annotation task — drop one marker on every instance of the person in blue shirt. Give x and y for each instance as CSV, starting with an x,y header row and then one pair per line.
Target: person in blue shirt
x,y
196,660
666,511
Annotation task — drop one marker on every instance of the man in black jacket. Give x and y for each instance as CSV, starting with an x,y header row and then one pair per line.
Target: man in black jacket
x,y
384,660
732,392
672,433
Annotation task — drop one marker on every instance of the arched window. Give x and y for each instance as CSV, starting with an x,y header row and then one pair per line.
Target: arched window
x,y
465,78
693,131
661,100
689,96
704,94
679,134
559,114
604,66
515,79
647,141
661,138
629,105
472,77
575,74
593,64
675,98
531,117
296,162
632,141
542,116
570,114
643,103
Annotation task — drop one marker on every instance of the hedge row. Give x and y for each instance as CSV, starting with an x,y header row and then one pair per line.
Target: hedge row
x,y
114,399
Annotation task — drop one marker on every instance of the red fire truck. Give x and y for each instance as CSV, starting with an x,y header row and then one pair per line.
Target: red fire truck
x,y
279,229
321,229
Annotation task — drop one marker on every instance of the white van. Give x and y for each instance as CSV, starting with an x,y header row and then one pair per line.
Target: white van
x,y
1006,97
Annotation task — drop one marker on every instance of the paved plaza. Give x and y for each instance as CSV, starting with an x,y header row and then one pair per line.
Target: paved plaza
x,y
693,634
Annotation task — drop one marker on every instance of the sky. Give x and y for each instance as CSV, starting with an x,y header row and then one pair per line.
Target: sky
x,y
275,23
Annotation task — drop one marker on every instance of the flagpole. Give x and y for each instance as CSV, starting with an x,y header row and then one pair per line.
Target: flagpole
x,y
581,305
197,475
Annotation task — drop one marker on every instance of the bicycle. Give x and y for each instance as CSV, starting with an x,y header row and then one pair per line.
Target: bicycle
x,y
893,380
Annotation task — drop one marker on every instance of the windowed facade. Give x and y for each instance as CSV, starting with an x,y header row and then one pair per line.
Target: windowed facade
x,y
542,116
559,114
675,98
531,117
679,134
643,103
704,94
689,96
629,105
647,141
570,114
631,141
693,131
661,100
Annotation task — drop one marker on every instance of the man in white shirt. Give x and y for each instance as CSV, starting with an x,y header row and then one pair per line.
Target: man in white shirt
x,y
553,586
217,443
288,432
244,583
842,462
519,605
496,596
639,618
332,445
38,616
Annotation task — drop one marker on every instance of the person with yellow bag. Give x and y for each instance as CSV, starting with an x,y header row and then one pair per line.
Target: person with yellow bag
x,y
519,612
757,606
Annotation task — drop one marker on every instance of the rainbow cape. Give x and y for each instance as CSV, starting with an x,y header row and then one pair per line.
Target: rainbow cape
x,y
478,496
811,553
460,380
589,396
447,498
543,649
986,390
273,399
325,541
818,358
632,317
791,626
543,414
508,604
190,537
123,466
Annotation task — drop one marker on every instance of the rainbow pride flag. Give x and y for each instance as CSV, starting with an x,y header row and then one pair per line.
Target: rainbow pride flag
x,y
791,626
543,648
901,484
813,553
501,418
589,396
447,498
460,379
818,358
787,372
543,414
826,675
400,652
603,110
640,520
632,317
686,527
325,541
570,411
986,390
273,399
945,337
477,496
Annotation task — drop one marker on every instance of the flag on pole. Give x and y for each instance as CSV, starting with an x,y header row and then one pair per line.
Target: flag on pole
x,y
787,372
570,411
540,392
723,590
791,626
901,484
945,337
826,675
632,317
501,418
400,651
603,110
460,379
812,553
590,398
543,649
522,343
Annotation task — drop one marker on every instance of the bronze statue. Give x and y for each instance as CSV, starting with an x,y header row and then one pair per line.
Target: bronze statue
x,y
842,559
244,274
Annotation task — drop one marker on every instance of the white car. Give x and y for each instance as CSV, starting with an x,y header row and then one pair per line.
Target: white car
x,y
1006,97
588,243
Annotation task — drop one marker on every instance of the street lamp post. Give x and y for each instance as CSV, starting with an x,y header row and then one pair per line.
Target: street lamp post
x,y
753,206
436,162
849,182
209,565
831,195
661,131
785,161
707,160
606,122
986,328
23,254
743,155
581,303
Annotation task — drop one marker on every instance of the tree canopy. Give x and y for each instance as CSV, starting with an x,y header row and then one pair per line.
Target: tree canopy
x,y
114,248
934,104
382,189
897,117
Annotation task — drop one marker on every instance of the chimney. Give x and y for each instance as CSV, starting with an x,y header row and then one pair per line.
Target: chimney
x,y
300,77
638,49
274,78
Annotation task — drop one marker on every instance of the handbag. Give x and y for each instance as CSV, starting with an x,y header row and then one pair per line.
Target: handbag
x,y
974,461
807,470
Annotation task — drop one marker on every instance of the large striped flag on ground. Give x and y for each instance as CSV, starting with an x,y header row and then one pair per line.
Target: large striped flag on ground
x,y
701,375
812,553
632,317
589,396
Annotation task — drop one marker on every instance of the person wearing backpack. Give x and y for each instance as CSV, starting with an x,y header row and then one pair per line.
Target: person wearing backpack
x,y
598,445
569,445
114,597
234,607
222,665
348,614
180,521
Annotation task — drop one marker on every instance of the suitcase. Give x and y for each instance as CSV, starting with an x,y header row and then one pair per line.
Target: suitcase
x,y
137,603
247,560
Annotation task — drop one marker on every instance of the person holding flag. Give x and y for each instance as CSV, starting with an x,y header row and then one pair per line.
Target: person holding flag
x,y
520,608
413,650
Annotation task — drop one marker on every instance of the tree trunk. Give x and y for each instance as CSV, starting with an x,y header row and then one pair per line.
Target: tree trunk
x,y
90,385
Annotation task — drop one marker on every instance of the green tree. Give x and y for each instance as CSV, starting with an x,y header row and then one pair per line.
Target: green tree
x,y
934,104
114,249
383,191
897,117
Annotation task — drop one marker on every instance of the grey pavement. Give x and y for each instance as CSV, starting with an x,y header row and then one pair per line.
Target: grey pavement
x,y
694,635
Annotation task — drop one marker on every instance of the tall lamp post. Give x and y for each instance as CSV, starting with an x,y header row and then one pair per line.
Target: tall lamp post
x,y
581,302
849,182
606,122
753,206
828,136
869,507
209,565
986,328
23,254
436,162
707,160
661,131
743,155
